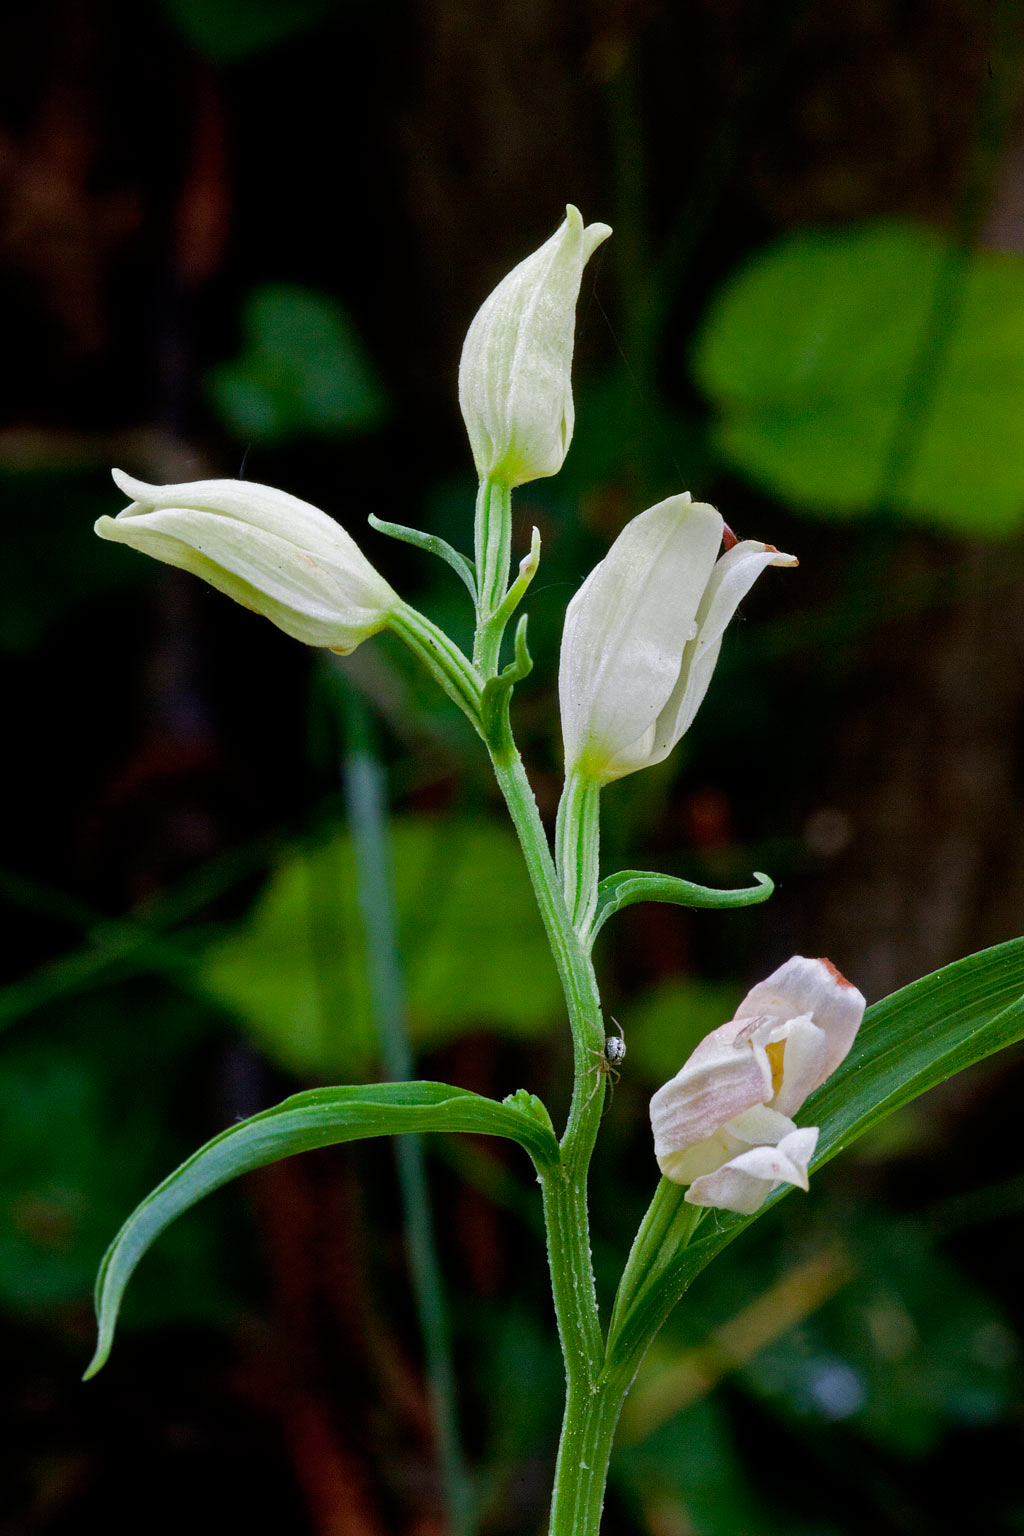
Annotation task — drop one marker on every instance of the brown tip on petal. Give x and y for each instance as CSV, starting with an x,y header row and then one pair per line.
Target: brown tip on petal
x,y
834,972
729,539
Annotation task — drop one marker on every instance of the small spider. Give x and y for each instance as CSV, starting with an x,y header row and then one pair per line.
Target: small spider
x,y
608,1059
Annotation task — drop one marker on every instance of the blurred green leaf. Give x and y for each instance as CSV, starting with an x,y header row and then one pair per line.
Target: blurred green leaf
x,y
688,1476
873,366
902,1354
322,1118
83,1113
520,1408
53,1139
303,371
229,29
909,1042
471,944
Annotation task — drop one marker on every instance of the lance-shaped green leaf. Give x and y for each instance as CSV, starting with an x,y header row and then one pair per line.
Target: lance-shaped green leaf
x,y
630,885
908,1042
433,544
320,1118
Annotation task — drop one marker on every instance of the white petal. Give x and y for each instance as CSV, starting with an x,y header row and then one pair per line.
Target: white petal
x,y
269,551
755,1127
730,581
719,1081
745,1182
257,506
626,631
804,1062
815,987
760,1126
690,1163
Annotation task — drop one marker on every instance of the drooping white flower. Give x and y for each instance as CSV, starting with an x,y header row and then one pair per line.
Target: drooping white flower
x,y
643,633
515,385
270,551
723,1124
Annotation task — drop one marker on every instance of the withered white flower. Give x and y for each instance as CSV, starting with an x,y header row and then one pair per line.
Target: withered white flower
x,y
515,385
270,551
643,633
723,1124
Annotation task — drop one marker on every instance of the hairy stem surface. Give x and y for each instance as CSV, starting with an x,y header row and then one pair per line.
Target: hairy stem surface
x,y
589,1419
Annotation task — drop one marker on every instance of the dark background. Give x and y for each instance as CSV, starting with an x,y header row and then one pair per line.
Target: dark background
x,y
246,237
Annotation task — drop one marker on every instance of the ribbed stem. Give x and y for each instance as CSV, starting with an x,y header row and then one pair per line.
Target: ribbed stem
x,y
565,1192
579,983
581,1471
441,657
493,548
572,1279
578,848
593,1398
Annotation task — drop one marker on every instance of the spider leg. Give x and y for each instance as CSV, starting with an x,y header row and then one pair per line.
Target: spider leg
x,y
601,1067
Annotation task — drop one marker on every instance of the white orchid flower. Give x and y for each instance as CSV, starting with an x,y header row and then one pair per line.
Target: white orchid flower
x,y
723,1124
643,633
515,385
270,551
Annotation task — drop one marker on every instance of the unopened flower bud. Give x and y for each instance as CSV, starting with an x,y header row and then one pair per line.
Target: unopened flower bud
x,y
515,387
643,633
270,551
723,1124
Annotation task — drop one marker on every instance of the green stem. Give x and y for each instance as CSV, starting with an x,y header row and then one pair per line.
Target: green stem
x,y
565,1190
581,1471
441,657
593,1398
493,549
575,970
578,848
590,1418
572,1279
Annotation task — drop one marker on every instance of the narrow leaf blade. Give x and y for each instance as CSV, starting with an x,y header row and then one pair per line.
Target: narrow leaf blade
x,y
320,1118
433,544
631,885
